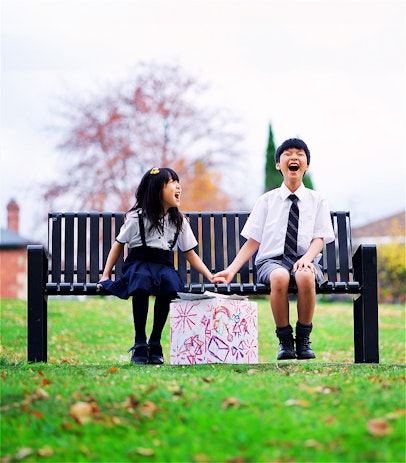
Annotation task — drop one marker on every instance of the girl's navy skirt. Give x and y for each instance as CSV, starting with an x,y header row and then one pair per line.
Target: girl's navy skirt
x,y
147,269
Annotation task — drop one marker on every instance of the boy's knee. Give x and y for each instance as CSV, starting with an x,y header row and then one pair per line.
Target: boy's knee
x,y
305,280
279,279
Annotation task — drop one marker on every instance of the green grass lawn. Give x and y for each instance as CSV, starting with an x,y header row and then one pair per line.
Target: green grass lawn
x,y
89,404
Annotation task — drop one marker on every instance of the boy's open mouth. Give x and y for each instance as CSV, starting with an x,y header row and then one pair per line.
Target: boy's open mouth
x,y
177,195
294,167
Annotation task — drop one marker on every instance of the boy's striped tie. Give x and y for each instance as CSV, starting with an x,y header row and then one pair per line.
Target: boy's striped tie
x,y
290,250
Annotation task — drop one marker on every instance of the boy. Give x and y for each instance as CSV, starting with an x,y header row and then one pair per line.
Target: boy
x,y
271,230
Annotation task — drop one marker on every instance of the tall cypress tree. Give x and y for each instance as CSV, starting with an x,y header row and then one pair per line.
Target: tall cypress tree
x,y
307,181
272,175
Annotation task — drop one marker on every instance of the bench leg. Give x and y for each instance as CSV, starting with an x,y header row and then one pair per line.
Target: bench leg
x,y
37,305
366,330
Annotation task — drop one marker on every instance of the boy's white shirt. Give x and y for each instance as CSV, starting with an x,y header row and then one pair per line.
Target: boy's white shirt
x,y
130,234
268,221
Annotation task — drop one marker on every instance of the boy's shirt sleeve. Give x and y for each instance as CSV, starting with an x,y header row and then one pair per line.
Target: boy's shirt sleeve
x,y
323,227
254,225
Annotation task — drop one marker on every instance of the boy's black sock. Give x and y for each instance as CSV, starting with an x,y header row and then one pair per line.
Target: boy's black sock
x,y
284,331
303,331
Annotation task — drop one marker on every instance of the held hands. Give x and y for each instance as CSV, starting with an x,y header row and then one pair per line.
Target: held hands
x,y
216,279
225,276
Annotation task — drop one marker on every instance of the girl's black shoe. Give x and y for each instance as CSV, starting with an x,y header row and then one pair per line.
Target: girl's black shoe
x,y
140,353
156,355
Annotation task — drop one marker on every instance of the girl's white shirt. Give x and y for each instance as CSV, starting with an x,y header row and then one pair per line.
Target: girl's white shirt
x,y
268,221
130,234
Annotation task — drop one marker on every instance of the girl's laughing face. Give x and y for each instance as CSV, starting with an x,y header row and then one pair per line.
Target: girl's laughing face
x,y
171,193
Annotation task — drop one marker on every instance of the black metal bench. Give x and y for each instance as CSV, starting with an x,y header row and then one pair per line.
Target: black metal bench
x,y
78,245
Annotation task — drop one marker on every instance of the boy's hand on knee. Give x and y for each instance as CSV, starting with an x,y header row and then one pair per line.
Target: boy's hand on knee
x,y
305,265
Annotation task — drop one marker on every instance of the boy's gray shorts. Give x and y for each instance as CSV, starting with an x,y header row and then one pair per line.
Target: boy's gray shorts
x,y
264,270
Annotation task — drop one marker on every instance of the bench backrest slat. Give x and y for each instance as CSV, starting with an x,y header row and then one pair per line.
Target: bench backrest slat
x,y
56,247
194,224
246,269
219,260
69,247
118,222
343,267
207,239
107,238
330,254
94,247
231,240
81,246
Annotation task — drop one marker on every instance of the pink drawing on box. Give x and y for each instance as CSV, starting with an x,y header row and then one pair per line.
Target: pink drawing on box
x,y
238,351
218,348
251,348
183,320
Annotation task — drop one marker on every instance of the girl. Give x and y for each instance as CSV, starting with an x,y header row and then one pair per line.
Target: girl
x,y
153,227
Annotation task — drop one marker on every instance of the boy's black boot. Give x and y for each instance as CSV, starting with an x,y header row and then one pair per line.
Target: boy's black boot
x,y
303,349
286,343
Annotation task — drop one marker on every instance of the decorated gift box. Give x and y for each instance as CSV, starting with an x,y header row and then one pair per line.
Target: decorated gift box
x,y
213,329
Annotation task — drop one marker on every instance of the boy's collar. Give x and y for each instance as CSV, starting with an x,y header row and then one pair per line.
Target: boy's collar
x,y
300,192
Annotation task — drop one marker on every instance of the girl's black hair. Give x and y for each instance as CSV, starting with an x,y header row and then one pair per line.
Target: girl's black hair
x,y
148,197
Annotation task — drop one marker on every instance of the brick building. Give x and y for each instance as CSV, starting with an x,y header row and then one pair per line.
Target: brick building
x,y
13,257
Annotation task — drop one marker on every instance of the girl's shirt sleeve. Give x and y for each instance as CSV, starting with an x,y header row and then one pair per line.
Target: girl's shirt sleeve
x,y
186,239
129,231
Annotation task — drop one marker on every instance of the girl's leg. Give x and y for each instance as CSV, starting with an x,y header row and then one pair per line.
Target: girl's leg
x,y
161,311
140,314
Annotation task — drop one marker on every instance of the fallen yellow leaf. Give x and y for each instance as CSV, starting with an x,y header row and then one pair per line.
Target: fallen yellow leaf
x,y
82,412
148,408
396,414
24,452
46,451
230,402
378,427
145,452
297,403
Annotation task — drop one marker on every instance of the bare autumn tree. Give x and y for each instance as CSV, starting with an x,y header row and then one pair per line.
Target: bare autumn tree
x,y
156,118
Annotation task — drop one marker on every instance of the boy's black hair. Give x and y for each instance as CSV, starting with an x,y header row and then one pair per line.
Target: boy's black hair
x,y
292,143
148,197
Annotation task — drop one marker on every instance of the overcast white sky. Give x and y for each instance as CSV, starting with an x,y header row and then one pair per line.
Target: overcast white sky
x,y
331,72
